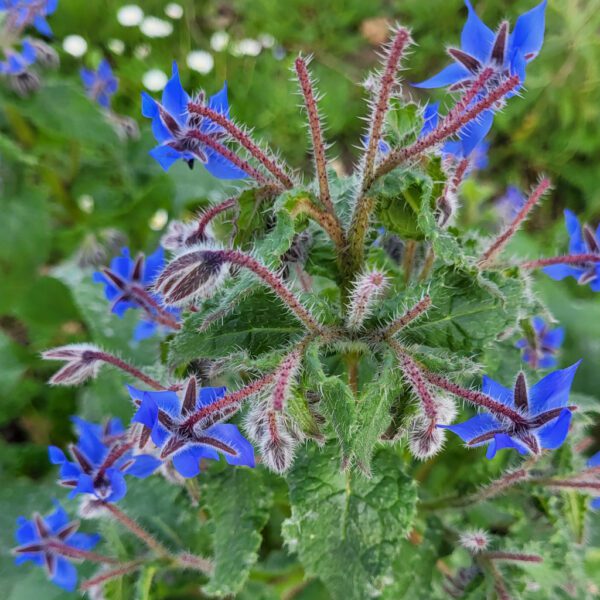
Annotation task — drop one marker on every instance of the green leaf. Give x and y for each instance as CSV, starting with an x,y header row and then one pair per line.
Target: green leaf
x,y
258,324
337,402
373,411
239,502
348,530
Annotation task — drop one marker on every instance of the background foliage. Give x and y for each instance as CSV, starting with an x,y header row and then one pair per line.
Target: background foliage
x,y
67,182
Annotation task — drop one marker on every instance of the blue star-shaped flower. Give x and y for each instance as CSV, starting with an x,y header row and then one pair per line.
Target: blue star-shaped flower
x,y
101,84
470,142
101,459
40,541
540,351
583,240
15,62
128,283
508,54
510,203
22,13
164,416
171,123
544,406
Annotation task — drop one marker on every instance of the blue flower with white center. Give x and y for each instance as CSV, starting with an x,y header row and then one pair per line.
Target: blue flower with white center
x,y
100,85
128,284
583,240
171,421
470,143
507,54
171,124
544,407
101,459
592,463
22,13
539,350
51,542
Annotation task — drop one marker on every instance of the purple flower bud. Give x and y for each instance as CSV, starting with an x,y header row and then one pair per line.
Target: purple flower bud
x,y
475,540
83,363
196,273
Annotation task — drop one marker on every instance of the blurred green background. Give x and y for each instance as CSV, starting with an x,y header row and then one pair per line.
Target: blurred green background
x,y
71,189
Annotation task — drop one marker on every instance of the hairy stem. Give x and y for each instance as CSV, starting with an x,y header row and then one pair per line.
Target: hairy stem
x,y
316,133
501,241
571,259
71,552
136,529
225,152
415,312
244,139
328,222
124,569
274,282
211,212
514,556
115,361
397,49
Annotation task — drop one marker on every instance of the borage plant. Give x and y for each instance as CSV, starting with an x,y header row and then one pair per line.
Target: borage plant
x,y
348,318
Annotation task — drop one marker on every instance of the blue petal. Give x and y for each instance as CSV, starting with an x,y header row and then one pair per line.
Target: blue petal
x,y
472,134
175,98
538,324
147,412
430,118
501,441
576,245
143,466
187,462
218,102
154,264
88,77
65,575
85,485
553,434
25,532
594,461
476,38
165,156
56,455
497,392
474,427
547,362
554,338
221,168
595,504
58,519
83,541
104,70
552,391
144,330
42,26
208,395
117,484
448,76
159,129
167,401
528,34
559,272
92,446
229,434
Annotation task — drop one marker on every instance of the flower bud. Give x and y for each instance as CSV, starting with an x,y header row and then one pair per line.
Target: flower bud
x,y
475,540
425,439
194,274
367,289
83,363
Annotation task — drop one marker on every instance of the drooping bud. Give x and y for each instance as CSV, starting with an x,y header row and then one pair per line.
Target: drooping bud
x,y
177,235
368,288
272,434
83,363
25,83
196,273
475,540
284,380
425,439
45,54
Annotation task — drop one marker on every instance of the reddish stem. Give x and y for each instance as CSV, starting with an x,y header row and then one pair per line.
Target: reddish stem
x,y
124,366
471,93
516,556
571,259
244,139
567,483
416,311
474,397
211,212
71,552
273,280
153,309
225,152
399,44
512,228
446,128
101,578
316,132
207,413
